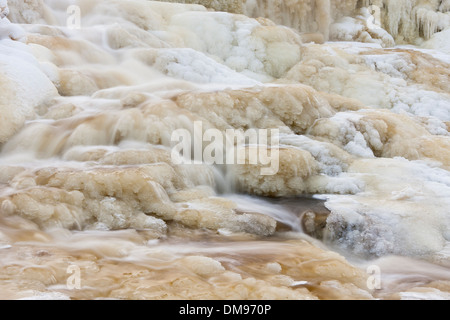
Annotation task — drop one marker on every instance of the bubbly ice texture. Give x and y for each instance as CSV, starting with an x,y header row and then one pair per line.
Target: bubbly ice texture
x,y
87,177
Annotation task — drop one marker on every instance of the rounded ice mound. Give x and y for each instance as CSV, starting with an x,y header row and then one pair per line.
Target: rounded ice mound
x,y
439,41
24,87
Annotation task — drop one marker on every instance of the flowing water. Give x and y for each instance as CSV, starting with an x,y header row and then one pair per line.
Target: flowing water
x,y
94,204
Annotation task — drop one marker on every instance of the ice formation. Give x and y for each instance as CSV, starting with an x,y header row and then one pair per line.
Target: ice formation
x,y
404,20
358,91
